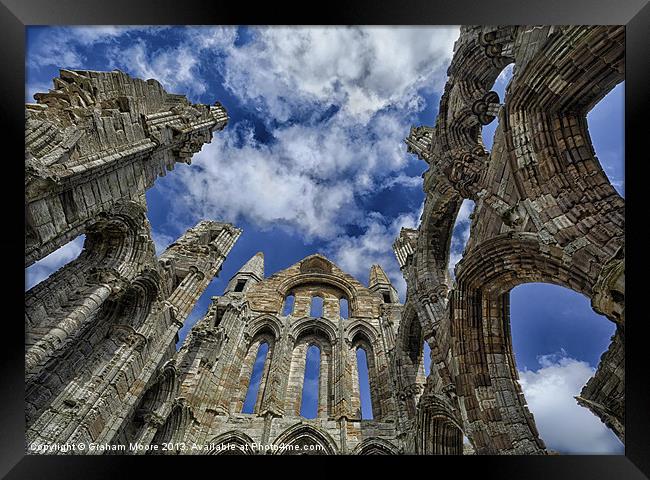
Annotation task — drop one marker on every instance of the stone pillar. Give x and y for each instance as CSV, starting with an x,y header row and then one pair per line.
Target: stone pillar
x,y
69,326
296,378
273,399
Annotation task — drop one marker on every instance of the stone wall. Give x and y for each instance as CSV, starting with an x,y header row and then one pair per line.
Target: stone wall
x,y
101,364
101,331
545,212
216,362
98,138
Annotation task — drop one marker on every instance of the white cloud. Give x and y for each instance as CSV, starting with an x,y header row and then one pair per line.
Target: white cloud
x,y
178,68
62,47
39,271
361,69
175,69
564,425
308,179
356,254
236,177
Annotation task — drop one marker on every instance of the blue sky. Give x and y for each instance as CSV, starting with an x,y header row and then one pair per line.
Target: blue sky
x,y
313,160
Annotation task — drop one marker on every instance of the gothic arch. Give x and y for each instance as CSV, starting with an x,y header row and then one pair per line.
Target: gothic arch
x,y
410,336
153,405
114,251
308,325
435,234
361,327
304,338
305,436
134,306
362,338
375,446
265,322
346,287
409,360
232,443
481,340
437,430
516,258
264,333
175,426
115,236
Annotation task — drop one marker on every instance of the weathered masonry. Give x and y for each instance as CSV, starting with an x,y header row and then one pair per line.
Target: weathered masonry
x,y
277,315
545,212
104,327
101,363
96,139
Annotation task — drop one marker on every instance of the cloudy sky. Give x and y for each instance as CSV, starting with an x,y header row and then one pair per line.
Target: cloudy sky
x,y
313,160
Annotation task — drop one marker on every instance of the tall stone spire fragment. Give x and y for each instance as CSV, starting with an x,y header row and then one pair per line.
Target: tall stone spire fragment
x,y
379,282
252,272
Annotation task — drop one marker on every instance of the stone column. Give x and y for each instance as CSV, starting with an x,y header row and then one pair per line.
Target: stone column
x,y
325,383
108,283
296,378
273,400
355,391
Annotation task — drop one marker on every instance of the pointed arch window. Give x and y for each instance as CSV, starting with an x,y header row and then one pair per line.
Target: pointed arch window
x,y
288,305
343,308
316,307
256,378
426,349
310,385
364,384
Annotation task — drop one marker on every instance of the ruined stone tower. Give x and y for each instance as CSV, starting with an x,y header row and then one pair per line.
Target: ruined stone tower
x,y
103,328
99,138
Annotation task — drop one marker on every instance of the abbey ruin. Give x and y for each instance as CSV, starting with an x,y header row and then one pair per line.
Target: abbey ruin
x,y
101,364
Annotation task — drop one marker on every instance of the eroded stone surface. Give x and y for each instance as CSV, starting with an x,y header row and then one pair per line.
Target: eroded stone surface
x,y
97,138
100,333
545,212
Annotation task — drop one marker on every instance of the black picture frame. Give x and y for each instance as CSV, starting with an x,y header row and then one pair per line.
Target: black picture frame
x,y
15,15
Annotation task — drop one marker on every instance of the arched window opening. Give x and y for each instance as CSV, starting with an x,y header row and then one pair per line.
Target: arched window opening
x,y
310,385
288,305
154,398
256,378
316,310
414,339
387,298
427,358
460,234
437,435
218,314
41,270
606,123
343,307
557,341
500,84
364,384
172,430
414,348
240,285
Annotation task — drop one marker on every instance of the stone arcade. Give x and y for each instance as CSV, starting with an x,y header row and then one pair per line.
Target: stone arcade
x,y
101,362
